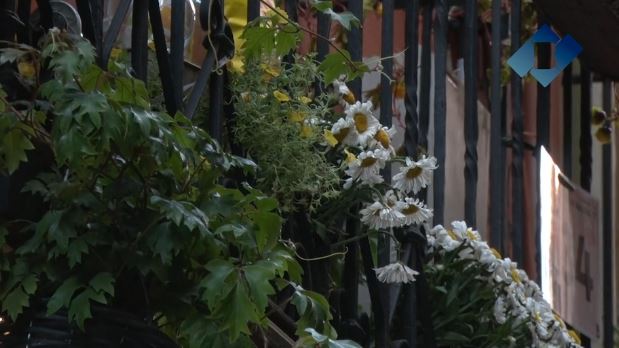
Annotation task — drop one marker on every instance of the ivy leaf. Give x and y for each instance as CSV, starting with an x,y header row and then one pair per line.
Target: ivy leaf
x,y
340,63
79,310
14,146
238,312
29,284
62,296
286,39
268,232
76,249
257,40
103,282
345,18
15,302
258,276
217,285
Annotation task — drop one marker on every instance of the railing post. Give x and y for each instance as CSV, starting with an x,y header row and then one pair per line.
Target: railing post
x,y
607,227
517,145
586,155
440,105
471,127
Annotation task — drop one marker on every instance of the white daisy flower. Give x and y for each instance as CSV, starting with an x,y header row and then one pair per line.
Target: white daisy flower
x,y
367,166
366,124
395,273
382,139
415,175
414,211
379,215
344,132
500,310
344,92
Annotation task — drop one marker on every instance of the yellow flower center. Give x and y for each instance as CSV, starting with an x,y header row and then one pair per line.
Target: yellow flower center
x,y
368,162
516,275
361,122
470,234
496,253
414,172
383,138
575,336
341,135
452,234
349,97
410,210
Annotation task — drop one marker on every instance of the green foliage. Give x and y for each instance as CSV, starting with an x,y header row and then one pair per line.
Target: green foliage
x,y
135,202
281,135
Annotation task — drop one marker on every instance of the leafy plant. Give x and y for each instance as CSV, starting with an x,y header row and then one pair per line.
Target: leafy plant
x,y
134,202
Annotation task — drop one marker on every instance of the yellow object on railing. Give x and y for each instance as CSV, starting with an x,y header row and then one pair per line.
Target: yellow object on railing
x,y
236,13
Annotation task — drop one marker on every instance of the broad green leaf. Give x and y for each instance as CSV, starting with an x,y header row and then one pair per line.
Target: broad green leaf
x,y
15,302
238,312
77,248
258,278
29,284
14,146
258,40
79,310
103,282
268,232
62,296
217,284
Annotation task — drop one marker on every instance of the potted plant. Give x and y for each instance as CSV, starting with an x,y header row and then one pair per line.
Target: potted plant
x,y
136,237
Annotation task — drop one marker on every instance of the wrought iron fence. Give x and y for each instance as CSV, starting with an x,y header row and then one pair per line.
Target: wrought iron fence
x,y
432,41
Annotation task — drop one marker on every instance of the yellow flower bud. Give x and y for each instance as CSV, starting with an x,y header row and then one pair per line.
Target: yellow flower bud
x,y
305,100
603,134
281,96
26,69
306,131
598,116
330,138
296,116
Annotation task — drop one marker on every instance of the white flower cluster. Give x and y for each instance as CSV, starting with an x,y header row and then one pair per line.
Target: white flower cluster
x,y
360,131
368,148
517,297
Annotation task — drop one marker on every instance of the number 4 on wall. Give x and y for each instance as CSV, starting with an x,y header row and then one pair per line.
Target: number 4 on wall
x,y
583,277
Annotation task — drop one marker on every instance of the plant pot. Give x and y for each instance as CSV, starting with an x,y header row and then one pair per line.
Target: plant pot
x,y
108,328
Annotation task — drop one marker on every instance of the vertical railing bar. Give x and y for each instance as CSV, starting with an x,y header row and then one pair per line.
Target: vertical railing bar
x,y
543,139
163,59
7,28
96,12
113,31
470,111
177,48
45,8
322,46
411,138
425,77
88,29
440,77
23,11
607,226
350,299
216,95
586,156
386,111
567,120
517,144
381,332
139,39
355,46
497,151
253,9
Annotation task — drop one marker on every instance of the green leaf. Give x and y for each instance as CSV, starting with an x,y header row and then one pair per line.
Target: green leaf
x,y
217,284
258,276
79,310
76,249
62,296
345,18
258,40
15,302
238,312
334,65
103,281
29,284
322,5
14,146
269,226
